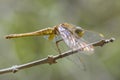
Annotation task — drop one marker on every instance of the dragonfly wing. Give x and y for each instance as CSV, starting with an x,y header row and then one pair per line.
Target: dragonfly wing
x,y
67,36
92,36
73,42
86,47
77,59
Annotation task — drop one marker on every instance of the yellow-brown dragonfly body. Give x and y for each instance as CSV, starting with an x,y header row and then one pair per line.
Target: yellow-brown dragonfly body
x,y
69,33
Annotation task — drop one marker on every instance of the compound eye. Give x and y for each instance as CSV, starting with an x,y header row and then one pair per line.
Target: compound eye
x,y
79,31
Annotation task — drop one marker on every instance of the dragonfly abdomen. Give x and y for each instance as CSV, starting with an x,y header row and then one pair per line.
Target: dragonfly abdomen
x,y
46,31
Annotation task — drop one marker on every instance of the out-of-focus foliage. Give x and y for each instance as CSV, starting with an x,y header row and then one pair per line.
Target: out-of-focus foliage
x,y
18,16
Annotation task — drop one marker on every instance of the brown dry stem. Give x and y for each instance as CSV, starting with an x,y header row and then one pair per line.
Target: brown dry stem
x,y
51,59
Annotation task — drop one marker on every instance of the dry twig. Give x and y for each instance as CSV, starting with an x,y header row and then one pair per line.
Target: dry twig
x,y
51,59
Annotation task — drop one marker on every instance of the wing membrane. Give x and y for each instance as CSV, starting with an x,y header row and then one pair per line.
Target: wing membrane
x,y
72,41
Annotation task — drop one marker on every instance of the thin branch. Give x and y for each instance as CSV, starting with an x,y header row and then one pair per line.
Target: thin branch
x,y
51,59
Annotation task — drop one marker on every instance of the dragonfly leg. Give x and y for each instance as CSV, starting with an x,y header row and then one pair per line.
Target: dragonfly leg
x,y
58,45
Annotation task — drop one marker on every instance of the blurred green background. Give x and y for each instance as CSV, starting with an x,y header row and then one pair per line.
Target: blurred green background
x,y
18,16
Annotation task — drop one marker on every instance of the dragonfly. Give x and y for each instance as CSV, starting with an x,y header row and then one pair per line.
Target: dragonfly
x,y
71,34
75,37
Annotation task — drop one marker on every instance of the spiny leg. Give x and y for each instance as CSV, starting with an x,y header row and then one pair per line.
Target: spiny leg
x,y
58,45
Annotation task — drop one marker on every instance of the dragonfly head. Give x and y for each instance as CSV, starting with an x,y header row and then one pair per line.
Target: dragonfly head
x,y
79,31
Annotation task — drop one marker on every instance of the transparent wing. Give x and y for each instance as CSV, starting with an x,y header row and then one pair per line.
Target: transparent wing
x,y
91,36
72,41
86,47
78,60
82,43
